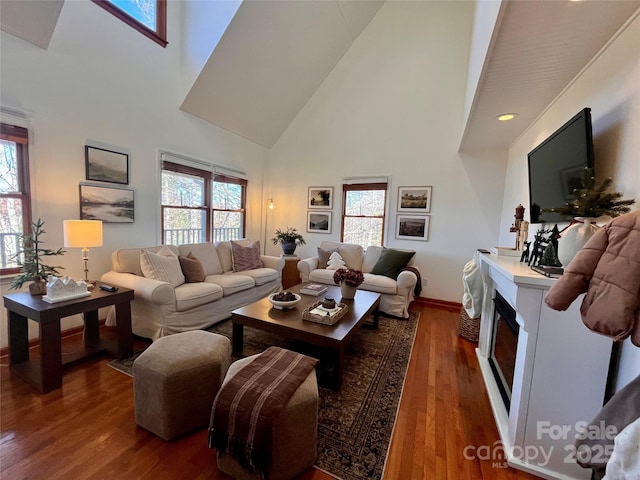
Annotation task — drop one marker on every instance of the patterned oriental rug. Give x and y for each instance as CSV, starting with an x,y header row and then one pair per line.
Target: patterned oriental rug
x,y
356,423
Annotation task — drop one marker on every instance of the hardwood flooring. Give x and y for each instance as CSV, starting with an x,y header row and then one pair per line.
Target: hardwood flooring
x,y
87,429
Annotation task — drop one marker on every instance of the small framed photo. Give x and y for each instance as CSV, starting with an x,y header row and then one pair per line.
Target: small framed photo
x,y
410,227
111,205
321,198
319,222
414,199
106,166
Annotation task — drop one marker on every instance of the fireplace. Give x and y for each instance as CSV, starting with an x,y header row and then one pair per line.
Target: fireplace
x,y
504,344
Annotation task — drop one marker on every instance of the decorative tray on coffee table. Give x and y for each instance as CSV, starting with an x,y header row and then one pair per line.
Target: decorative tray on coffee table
x,y
326,316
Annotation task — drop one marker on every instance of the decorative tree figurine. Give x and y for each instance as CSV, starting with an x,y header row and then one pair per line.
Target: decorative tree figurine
x,y
549,257
335,262
33,266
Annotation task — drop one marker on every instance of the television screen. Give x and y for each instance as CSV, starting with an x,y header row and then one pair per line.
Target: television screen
x,y
556,166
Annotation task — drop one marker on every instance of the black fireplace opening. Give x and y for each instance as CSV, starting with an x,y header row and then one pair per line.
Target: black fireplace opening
x,y
504,344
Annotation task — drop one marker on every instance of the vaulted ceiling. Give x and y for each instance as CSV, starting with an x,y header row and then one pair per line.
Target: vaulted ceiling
x,y
274,55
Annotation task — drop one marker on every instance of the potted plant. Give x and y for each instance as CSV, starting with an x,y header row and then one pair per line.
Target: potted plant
x,y
289,239
33,267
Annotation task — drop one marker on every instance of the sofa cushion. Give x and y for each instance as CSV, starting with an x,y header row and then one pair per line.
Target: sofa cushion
x,y
207,253
246,257
127,260
191,268
226,255
190,295
350,253
163,266
322,275
231,282
323,257
262,275
391,261
379,284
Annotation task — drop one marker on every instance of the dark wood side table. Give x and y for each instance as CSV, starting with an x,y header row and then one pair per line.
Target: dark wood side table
x,y
290,274
46,375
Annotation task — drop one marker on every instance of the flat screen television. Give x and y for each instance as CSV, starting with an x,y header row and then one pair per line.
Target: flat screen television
x,y
556,166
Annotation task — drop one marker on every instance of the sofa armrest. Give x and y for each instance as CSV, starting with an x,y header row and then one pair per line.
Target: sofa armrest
x,y
407,279
277,263
306,266
153,291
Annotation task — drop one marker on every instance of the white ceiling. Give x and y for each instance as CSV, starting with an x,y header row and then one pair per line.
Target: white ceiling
x,y
275,54
538,48
270,60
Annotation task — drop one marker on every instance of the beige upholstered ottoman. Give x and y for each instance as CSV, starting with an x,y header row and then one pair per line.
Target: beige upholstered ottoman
x,y
295,433
176,379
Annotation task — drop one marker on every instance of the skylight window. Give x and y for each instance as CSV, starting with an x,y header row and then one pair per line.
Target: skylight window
x,y
149,17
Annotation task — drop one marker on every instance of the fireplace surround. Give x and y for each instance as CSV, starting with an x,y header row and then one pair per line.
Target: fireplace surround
x,y
559,374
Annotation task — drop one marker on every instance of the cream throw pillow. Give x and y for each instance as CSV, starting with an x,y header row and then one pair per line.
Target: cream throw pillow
x,y
163,265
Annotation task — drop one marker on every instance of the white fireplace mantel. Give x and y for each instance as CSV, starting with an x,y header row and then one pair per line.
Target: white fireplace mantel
x,y
560,372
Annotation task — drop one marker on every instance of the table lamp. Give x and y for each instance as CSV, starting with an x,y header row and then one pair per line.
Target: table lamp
x,y
83,234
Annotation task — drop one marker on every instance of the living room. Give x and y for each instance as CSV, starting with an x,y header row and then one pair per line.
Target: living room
x,y
394,105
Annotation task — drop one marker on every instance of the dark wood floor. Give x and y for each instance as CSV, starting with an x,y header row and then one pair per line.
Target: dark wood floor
x,y
87,429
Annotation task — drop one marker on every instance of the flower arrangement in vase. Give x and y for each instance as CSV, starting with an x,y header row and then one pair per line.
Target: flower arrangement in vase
x,y
349,280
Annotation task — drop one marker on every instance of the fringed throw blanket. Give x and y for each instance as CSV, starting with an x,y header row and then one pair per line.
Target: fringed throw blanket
x,y
246,406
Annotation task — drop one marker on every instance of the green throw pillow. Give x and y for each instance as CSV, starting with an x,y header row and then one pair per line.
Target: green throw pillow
x,y
391,262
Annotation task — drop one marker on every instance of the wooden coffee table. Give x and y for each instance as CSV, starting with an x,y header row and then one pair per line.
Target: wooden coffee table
x,y
289,323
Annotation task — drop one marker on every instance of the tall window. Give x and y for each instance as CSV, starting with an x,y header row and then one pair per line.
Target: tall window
x,y
149,17
15,197
363,210
201,206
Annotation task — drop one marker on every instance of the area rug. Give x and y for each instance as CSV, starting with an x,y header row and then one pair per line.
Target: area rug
x,y
356,423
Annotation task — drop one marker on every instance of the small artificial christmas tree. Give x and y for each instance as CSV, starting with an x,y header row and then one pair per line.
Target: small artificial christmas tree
x,y
32,251
592,201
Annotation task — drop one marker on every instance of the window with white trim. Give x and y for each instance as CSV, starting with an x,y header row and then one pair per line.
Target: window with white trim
x,y
363,213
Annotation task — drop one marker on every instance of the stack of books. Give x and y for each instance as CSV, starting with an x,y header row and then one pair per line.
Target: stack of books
x,y
313,289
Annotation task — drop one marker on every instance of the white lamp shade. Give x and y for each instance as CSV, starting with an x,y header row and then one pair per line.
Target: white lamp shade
x,y
82,233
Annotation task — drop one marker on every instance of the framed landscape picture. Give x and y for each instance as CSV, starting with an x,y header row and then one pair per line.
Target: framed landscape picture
x,y
414,199
106,166
112,205
319,222
321,198
411,227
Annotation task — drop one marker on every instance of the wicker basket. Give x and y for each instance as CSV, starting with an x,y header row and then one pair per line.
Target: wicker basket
x,y
469,328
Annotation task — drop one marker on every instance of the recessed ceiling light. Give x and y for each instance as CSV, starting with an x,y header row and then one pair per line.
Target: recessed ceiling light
x,y
507,116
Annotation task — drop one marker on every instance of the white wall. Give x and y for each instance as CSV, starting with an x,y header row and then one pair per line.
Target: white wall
x,y
610,85
394,106
102,81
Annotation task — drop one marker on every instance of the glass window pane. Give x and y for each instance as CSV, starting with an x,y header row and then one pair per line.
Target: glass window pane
x,y
227,196
365,202
142,10
183,225
179,189
227,226
11,227
363,231
8,167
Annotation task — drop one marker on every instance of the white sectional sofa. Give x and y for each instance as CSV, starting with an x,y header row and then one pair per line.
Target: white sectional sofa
x,y
161,308
397,293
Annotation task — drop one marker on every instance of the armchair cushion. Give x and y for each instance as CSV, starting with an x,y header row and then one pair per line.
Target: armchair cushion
x,y
323,257
163,266
391,261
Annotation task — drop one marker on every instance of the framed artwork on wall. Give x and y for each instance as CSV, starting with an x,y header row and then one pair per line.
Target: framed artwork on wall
x,y
111,205
106,165
412,227
320,198
414,199
319,222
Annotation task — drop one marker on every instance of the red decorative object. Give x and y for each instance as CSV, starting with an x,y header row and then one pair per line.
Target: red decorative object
x,y
351,277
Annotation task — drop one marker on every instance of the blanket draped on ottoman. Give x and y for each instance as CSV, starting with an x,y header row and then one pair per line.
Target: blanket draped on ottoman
x,y
247,404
